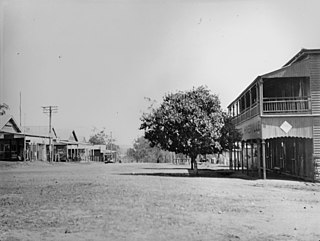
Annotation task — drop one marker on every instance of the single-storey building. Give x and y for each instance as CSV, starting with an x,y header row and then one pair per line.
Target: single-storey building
x,y
16,144
32,143
68,147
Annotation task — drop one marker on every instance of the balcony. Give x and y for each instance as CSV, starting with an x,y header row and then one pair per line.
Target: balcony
x,y
273,96
287,105
276,106
247,114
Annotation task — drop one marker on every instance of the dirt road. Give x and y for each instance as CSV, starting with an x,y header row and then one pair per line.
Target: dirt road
x,y
95,201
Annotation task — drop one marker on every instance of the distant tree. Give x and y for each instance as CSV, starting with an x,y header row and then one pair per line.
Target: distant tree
x,y
3,108
186,122
131,154
143,152
111,145
99,137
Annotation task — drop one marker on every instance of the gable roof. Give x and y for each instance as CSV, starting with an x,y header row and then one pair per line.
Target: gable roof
x,y
8,124
297,66
65,134
301,55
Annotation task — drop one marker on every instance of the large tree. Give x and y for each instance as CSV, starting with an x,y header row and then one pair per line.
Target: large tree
x,y
186,122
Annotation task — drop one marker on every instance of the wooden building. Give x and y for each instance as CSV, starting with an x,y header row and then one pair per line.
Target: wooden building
x,y
67,146
11,142
279,117
16,144
31,143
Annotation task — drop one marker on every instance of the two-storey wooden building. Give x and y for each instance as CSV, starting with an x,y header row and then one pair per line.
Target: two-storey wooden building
x,y
279,117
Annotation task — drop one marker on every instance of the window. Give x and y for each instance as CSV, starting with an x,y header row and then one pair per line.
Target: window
x,y
254,94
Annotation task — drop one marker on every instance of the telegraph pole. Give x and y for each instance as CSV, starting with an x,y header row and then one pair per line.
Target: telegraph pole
x,y
49,110
20,109
111,145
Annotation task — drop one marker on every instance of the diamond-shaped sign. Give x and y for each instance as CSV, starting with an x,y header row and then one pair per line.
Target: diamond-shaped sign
x,y
286,127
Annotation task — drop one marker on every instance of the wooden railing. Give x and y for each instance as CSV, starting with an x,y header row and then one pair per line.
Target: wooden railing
x,y
247,114
279,105
286,105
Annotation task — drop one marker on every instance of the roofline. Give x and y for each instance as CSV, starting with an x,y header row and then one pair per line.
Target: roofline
x,y
14,122
67,142
300,54
24,134
245,90
70,142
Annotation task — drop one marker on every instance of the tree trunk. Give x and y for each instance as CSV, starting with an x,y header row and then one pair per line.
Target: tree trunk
x,y
230,157
194,166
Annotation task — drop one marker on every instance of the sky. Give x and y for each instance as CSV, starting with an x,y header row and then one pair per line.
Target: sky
x,y
98,60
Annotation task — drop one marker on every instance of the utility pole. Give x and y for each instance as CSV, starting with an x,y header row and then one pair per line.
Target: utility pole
x,y
24,140
20,108
49,110
111,145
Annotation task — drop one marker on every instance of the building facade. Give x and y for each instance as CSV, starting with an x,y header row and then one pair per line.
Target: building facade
x,y
278,115
11,142
17,145
31,143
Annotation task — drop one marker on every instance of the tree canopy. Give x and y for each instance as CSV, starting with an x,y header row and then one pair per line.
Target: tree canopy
x,y
143,152
3,108
229,133
100,137
186,122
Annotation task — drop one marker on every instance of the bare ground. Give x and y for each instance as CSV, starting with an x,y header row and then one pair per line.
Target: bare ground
x,y
95,201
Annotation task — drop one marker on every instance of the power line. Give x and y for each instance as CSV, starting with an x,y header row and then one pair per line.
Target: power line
x,y
50,110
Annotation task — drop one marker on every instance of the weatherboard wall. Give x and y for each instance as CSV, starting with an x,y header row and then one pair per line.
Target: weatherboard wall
x,y
315,102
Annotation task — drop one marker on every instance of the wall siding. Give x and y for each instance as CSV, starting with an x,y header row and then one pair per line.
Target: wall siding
x,y
315,100
316,148
314,66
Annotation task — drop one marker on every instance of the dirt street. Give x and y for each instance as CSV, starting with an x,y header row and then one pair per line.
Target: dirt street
x,y
96,201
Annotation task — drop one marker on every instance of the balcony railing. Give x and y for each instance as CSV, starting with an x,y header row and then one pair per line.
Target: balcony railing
x,y
278,105
286,105
247,114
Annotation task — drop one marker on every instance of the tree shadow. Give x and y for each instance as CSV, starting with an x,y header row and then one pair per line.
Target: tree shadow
x,y
166,168
207,173
213,173
282,176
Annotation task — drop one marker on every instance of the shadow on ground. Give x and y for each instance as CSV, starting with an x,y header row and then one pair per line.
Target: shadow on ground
x,y
165,168
210,173
218,173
